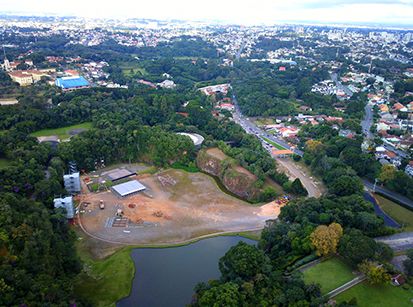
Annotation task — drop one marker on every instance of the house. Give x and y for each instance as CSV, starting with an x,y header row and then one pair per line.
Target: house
x,y
169,84
398,280
226,106
409,169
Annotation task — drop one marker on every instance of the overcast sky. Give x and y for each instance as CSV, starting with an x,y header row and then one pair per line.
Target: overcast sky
x,y
396,12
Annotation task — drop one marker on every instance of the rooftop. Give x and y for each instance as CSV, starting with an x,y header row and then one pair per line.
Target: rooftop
x,y
71,82
129,187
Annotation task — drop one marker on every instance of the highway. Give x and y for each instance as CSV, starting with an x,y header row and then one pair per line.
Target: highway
x,y
251,128
293,171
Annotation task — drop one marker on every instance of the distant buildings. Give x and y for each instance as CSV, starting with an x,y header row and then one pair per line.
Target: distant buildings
x,y
168,84
72,183
214,89
72,83
66,203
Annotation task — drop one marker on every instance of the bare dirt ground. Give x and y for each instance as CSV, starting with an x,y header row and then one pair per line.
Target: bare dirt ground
x,y
177,206
293,170
217,153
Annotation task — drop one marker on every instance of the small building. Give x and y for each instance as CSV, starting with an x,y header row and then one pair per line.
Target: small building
x,y
72,83
66,203
128,188
118,174
398,280
72,183
282,153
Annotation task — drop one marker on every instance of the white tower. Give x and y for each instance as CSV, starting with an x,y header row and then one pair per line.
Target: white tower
x,y
6,65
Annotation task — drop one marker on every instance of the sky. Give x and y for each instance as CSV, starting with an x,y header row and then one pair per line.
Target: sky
x,y
390,12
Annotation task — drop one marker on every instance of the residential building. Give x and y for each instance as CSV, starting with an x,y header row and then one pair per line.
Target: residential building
x,y
72,183
66,203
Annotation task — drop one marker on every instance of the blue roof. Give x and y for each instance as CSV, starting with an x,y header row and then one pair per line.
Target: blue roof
x,y
71,82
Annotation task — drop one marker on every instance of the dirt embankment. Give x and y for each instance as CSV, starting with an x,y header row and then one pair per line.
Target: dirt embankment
x,y
235,178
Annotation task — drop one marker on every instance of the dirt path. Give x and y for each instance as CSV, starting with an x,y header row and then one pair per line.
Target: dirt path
x,y
293,171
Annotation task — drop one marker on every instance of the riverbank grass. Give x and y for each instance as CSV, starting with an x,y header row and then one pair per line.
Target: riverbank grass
x,y
104,282
63,132
400,214
329,274
378,296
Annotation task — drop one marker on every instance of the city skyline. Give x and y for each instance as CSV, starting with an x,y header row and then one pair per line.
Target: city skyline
x,y
365,12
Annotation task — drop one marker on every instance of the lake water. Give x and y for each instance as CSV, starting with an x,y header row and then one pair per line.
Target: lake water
x,y
167,276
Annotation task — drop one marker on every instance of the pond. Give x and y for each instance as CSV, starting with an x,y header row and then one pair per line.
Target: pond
x,y
167,276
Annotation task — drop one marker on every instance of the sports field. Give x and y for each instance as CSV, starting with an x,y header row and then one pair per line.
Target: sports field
x,y
63,132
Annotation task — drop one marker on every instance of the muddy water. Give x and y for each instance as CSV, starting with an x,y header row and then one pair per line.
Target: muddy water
x,y
167,276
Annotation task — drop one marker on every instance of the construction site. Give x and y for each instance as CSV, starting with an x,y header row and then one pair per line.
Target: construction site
x,y
166,207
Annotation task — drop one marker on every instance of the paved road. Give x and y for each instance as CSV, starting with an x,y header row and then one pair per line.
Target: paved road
x,y
367,122
251,128
339,85
398,242
389,194
388,221
346,286
295,171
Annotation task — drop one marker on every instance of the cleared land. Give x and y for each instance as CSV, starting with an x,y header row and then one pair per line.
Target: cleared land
x,y
378,296
329,274
177,207
400,214
64,132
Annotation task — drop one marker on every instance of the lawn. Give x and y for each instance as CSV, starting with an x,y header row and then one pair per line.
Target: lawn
x,y
400,214
329,274
131,68
378,296
62,133
273,143
4,163
104,282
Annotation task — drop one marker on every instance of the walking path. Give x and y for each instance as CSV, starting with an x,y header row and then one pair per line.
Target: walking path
x,y
346,286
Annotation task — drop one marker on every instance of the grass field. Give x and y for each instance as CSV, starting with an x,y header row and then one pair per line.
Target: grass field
x,y
273,143
400,214
329,274
4,163
131,68
104,282
378,296
62,133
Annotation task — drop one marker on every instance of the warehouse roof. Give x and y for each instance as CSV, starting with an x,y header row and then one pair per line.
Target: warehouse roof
x,y
71,82
119,173
128,188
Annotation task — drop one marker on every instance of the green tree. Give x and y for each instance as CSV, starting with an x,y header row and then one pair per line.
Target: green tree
x,y
375,273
